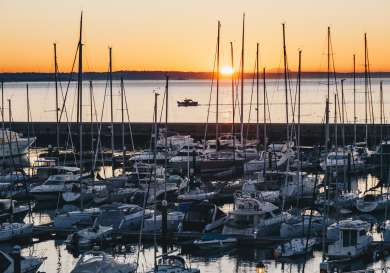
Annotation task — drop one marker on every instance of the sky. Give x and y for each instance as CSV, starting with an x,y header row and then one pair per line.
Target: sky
x,y
181,34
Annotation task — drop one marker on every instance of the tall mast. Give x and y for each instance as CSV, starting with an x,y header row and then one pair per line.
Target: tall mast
x,y
285,79
365,88
164,203
233,101
217,104
111,112
328,94
154,170
91,112
80,96
354,99
56,96
299,109
381,128
342,112
264,119
242,80
28,125
123,126
80,106
257,95
2,120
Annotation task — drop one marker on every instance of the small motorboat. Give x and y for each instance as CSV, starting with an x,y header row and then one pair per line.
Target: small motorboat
x,y
187,102
196,195
351,239
172,264
89,236
15,231
28,264
295,247
203,217
94,262
215,240
75,218
174,218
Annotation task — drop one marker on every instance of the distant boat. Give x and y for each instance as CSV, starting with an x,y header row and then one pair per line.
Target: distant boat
x,y
187,102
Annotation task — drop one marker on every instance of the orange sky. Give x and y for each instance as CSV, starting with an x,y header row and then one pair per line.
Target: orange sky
x,y
181,34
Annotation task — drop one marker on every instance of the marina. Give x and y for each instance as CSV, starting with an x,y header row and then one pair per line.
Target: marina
x,y
245,168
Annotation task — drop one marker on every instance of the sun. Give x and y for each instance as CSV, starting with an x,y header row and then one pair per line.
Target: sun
x,y
227,70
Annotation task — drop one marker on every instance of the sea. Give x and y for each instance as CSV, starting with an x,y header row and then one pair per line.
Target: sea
x,y
139,97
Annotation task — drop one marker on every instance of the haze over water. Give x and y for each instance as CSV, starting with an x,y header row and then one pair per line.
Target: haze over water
x,y
140,100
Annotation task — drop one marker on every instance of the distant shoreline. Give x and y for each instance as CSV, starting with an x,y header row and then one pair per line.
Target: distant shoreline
x,y
160,75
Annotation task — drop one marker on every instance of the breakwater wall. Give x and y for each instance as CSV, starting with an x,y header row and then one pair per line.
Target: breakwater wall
x,y
311,133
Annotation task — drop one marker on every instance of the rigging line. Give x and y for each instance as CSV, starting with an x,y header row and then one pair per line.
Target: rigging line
x,y
100,127
250,104
210,96
162,108
68,84
335,78
128,119
64,109
369,88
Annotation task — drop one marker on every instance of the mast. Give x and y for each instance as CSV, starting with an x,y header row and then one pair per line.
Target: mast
x,y
342,112
111,113
242,80
28,125
2,120
327,97
217,104
123,127
80,101
285,80
91,112
164,203
155,167
381,125
257,96
264,120
299,111
354,99
365,88
233,102
56,95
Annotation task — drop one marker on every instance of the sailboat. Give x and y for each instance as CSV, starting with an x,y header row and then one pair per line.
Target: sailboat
x,y
93,262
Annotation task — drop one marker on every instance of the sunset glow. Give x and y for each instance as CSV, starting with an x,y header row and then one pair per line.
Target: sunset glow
x,y
181,35
227,70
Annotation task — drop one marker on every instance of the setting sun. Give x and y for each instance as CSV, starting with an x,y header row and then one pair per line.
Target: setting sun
x,y
227,70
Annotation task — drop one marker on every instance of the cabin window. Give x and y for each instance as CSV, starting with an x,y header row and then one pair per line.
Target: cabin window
x,y
349,238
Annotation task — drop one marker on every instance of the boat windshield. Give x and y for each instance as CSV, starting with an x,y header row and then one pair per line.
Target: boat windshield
x,y
173,261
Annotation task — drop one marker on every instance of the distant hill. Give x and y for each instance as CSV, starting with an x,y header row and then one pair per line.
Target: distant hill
x,y
157,75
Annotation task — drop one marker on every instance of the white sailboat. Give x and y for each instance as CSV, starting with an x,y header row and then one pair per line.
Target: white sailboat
x,y
94,262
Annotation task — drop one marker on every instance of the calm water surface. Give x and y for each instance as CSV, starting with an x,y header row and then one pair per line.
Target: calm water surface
x,y
140,100
61,260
